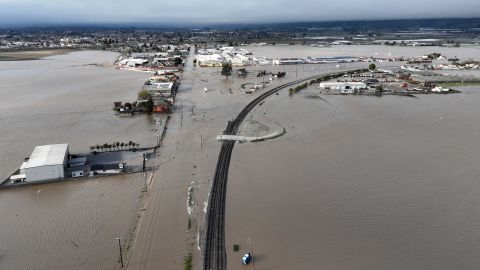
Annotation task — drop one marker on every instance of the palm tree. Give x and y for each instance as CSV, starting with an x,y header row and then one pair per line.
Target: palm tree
x,y
122,145
117,144
130,144
92,148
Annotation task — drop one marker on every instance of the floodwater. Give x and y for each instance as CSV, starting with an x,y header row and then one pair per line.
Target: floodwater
x,y
359,183
67,98
69,225
380,51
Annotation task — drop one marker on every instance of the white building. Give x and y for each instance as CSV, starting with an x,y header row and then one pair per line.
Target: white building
x,y
210,60
159,89
107,168
133,62
289,61
440,89
343,87
46,162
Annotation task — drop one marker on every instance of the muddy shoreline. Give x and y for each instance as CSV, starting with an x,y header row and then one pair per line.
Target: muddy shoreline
x,y
33,54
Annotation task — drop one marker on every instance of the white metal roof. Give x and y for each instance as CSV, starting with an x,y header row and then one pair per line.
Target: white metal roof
x,y
162,86
342,83
46,155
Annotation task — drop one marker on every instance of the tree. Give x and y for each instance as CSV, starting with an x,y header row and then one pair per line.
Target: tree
x,y
178,61
372,66
149,106
143,95
227,69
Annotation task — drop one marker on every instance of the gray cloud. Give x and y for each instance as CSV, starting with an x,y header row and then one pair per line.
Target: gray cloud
x,y
221,11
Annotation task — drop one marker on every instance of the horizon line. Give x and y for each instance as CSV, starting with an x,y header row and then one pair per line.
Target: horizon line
x,y
153,25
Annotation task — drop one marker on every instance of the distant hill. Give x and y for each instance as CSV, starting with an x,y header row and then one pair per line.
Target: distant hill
x,y
383,25
341,26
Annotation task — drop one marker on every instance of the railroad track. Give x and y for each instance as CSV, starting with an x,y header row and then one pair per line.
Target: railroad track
x,y
214,252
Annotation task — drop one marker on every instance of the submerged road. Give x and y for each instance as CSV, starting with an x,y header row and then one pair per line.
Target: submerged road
x,y
214,253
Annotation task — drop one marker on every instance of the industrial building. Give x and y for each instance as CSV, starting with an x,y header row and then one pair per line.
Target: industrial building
x,y
55,162
289,61
209,60
46,162
343,87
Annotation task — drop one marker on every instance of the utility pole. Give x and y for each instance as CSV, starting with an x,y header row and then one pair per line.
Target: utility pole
x,y
250,242
144,159
263,77
120,249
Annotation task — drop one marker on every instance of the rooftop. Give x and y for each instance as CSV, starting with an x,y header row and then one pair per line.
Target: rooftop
x,y
159,86
45,155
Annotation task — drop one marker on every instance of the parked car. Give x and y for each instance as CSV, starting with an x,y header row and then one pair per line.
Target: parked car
x,y
247,258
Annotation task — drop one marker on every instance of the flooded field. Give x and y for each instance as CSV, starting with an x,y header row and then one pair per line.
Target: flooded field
x,y
67,98
67,225
356,182
359,183
472,52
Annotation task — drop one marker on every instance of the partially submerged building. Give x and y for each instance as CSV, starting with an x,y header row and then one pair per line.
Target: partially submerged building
x,y
288,61
45,163
210,60
54,162
160,90
133,62
343,87
115,168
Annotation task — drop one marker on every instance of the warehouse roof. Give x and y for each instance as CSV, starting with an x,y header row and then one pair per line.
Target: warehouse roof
x,y
46,155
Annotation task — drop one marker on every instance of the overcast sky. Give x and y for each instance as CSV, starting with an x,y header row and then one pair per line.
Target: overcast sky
x,y
14,12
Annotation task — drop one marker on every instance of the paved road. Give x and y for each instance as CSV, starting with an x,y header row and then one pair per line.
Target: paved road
x,y
160,240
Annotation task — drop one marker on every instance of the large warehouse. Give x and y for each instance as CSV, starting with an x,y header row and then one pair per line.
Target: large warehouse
x,y
46,162
343,87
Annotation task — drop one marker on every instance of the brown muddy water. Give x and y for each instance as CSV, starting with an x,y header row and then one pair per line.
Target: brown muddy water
x,y
67,98
359,183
